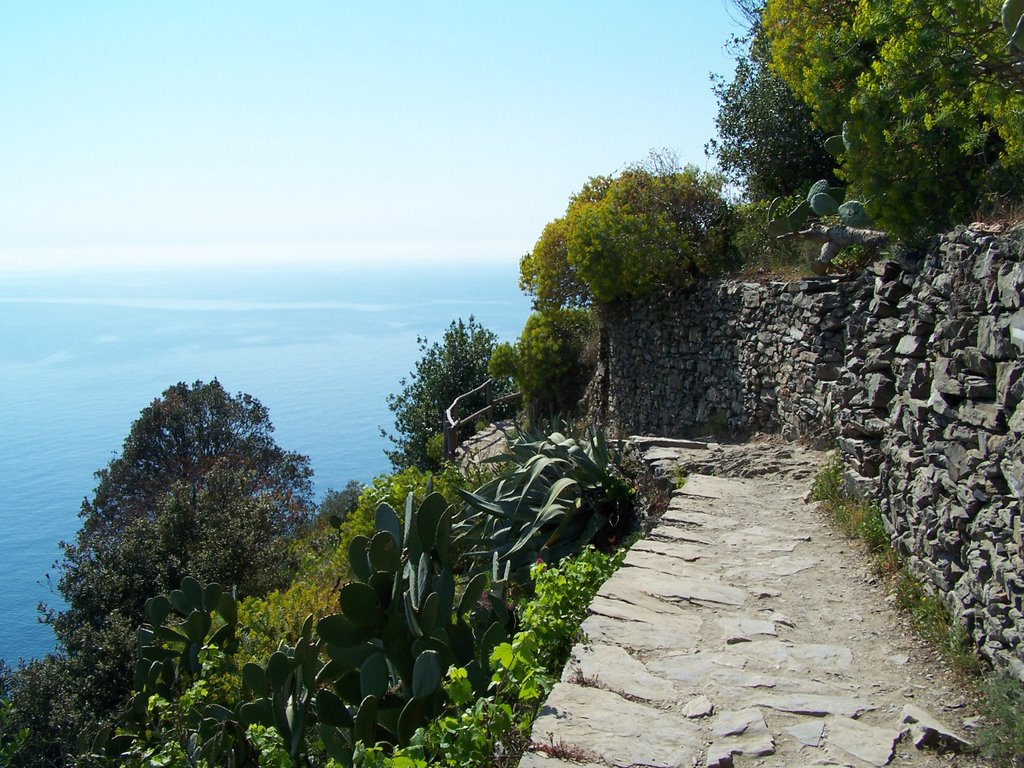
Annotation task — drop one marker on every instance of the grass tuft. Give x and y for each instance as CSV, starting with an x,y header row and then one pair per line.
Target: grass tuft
x,y
1002,738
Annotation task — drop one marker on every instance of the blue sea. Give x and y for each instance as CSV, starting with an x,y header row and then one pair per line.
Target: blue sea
x,y
82,354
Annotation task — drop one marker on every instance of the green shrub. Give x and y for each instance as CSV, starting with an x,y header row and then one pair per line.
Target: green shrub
x,y
551,362
654,226
494,729
1002,737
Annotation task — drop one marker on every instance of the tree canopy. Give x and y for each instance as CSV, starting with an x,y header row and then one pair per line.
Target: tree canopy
x,y
445,370
651,226
200,488
929,97
766,140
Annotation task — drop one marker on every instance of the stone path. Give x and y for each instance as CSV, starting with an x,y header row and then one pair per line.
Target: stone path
x,y
744,632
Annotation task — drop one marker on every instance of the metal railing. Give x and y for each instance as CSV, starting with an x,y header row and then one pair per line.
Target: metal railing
x,y
453,423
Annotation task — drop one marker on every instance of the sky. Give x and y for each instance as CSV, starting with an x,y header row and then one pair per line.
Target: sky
x,y
173,133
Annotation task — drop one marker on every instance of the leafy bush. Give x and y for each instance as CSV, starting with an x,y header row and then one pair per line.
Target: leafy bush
x,y
445,370
932,102
1002,737
200,487
654,226
555,496
552,360
338,505
324,567
402,622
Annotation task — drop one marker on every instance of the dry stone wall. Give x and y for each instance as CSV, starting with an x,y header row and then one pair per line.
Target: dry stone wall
x,y
911,370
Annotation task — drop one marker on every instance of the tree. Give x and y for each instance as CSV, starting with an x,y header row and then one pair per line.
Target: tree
x,y
766,140
446,369
928,96
651,227
200,488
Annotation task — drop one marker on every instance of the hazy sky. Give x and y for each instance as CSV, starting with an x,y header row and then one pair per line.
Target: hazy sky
x,y
171,132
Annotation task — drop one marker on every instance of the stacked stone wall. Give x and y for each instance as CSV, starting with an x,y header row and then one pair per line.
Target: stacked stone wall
x,y
911,371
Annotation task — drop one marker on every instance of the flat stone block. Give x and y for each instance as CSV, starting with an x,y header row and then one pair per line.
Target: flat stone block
x,y
615,730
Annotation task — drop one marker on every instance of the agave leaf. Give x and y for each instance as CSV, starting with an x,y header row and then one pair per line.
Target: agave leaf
x,y
779,227
823,204
254,678
360,604
211,595
474,591
366,721
277,669
157,609
384,553
414,715
196,626
338,630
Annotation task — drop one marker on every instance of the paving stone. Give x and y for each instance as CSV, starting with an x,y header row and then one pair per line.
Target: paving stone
x,y
616,731
799,657
690,553
814,704
542,760
757,539
872,745
710,487
928,731
640,635
742,626
735,722
740,732
690,518
808,733
612,668
688,585
663,563
698,706
685,535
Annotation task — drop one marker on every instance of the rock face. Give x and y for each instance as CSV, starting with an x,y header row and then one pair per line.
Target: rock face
x,y
912,373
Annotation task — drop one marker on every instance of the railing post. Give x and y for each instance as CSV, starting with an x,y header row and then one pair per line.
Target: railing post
x,y
490,401
451,429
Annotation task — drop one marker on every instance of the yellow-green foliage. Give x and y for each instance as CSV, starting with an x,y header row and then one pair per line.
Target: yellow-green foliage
x,y
934,111
648,228
550,361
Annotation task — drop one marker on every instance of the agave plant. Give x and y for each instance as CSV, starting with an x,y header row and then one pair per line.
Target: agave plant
x,y
555,495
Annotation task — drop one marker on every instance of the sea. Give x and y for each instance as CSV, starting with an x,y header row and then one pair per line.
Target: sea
x,y
81,354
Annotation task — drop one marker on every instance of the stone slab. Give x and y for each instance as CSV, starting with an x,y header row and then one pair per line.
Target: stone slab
x,y
872,745
614,669
617,731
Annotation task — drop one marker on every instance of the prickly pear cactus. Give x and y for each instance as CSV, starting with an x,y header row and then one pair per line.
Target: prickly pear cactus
x,y
853,214
401,625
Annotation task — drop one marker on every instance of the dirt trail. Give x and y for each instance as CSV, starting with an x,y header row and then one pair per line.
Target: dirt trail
x,y
744,631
